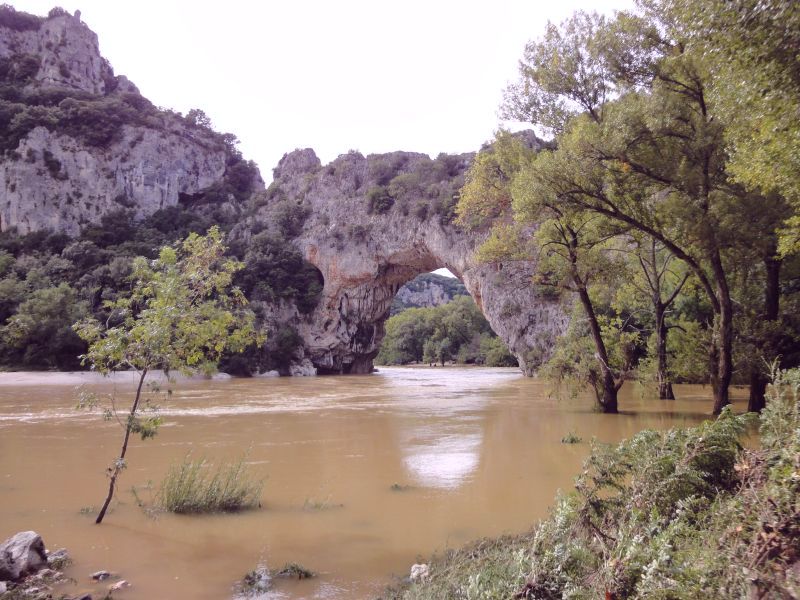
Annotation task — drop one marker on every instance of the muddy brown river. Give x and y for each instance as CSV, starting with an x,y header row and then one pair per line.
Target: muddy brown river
x,y
475,452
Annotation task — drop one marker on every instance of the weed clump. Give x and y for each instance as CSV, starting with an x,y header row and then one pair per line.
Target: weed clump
x,y
685,513
294,571
571,438
195,486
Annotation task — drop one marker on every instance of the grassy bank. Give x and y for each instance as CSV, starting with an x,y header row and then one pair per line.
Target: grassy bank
x,y
686,513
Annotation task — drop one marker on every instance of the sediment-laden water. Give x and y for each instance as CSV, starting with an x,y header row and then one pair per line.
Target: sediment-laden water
x,y
474,452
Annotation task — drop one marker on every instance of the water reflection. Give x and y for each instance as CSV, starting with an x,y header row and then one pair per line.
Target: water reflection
x,y
442,427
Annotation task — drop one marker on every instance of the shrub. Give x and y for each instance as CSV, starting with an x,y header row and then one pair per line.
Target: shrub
x,y
53,165
195,487
18,20
379,200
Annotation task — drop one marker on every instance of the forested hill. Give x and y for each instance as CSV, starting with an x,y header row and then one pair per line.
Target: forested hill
x,y
427,290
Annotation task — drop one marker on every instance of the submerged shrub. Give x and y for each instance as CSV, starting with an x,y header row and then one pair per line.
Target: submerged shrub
x,y
194,486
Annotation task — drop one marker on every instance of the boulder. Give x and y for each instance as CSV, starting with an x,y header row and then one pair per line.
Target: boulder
x,y
120,585
21,555
58,559
419,572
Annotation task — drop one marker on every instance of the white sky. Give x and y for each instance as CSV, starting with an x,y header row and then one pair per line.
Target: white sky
x,y
376,76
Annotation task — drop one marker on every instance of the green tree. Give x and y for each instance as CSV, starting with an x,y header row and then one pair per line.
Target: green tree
x,y
654,284
40,333
570,247
751,47
650,156
181,315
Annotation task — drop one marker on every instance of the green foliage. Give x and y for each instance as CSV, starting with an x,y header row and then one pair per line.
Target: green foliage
x,y
751,48
40,331
450,287
195,487
179,315
379,201
274,270
18,20
564,73
494,353
453,331
19,69
485,195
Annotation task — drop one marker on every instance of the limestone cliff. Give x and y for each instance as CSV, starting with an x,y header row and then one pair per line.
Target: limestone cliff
x,y
426,290
373,223
79,142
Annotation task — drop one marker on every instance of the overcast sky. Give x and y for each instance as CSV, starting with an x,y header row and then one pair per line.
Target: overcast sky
x,y
376,76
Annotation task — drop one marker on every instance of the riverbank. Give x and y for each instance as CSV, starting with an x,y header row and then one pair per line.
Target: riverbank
x,y
685,513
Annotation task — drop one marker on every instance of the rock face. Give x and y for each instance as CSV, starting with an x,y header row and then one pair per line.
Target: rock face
x,y
54,179
427,290
21,555
68,51
374,224
145,170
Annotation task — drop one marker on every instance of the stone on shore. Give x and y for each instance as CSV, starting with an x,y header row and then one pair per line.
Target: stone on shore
x,y
21,555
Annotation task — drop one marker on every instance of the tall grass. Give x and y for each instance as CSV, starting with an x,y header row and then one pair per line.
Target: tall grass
x,y
196,486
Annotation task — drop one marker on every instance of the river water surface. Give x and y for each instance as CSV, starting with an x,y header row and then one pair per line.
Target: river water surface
x,y
474,452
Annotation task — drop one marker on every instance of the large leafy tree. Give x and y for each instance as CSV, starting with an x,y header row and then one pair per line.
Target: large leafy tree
x,y
181,315
648,152
752,49
572,252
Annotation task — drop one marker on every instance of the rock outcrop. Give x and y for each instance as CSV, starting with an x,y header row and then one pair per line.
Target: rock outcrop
x,y
429,289
101,146
371,225
21,555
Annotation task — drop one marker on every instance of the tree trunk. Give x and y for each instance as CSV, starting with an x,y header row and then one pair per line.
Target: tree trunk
x,y
120,462
662,376
722,372
758,377
607,393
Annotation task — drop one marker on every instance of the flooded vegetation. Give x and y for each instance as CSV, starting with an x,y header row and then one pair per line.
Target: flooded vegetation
x,y
362,475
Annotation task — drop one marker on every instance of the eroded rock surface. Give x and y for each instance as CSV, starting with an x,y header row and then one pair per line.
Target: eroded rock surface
x,y
374,223
97,146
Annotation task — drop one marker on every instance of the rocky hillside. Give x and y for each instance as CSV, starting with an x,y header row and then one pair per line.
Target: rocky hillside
x,y
92,174
427,290
78,142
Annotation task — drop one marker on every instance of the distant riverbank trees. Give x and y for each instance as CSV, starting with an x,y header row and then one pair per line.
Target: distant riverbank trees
x,y
645,153
452,332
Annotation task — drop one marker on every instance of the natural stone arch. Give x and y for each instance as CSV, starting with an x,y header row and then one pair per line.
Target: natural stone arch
x,y
366,255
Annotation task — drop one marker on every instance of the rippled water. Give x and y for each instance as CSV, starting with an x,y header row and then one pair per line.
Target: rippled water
x,y
473,452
